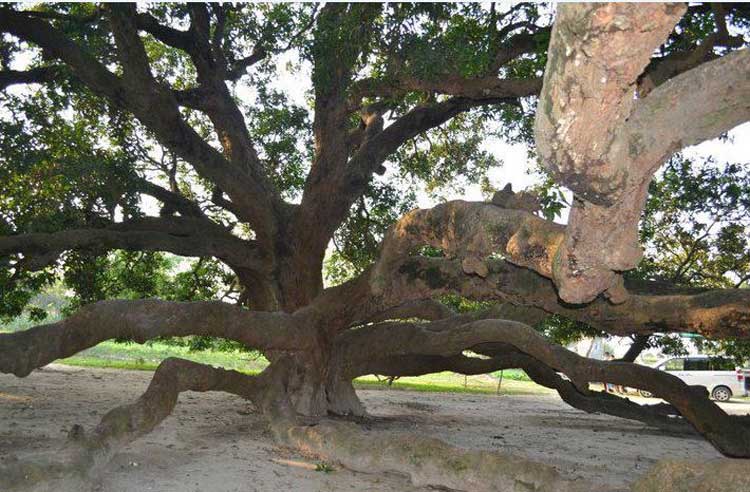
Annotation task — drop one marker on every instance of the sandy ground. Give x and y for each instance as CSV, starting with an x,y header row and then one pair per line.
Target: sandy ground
x,y
214,442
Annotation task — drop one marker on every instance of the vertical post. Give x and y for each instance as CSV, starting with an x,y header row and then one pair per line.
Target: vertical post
x,y
500,381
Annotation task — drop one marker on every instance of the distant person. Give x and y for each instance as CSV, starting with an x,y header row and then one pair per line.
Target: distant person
x,y
609,387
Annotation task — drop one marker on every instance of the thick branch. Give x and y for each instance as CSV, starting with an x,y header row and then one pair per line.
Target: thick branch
x,y
717,313
502,254
605,144
185,236
596,53
22,352
86,453
332,199
38,75
503,357
690,108
472,231
452,336
427,309
453,85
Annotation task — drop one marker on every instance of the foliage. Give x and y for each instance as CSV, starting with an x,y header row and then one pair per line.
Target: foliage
x,y
357,241
696,224
696,232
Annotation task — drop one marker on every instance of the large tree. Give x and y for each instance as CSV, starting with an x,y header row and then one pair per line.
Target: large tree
x,y
181,103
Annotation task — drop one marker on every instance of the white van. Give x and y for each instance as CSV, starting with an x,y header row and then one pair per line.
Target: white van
x,y
717,374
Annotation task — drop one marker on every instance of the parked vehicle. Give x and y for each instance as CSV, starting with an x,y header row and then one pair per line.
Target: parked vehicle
x,y
717,374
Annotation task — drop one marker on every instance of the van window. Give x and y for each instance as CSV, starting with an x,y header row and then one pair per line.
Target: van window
x,y
722,364
696,365
674,365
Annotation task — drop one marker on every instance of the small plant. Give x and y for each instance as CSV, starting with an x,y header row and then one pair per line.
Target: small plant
x,y
323,467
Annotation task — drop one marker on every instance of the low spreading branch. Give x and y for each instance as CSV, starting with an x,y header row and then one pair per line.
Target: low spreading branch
x,y
453,336
87,452
503,357
714,313
142,320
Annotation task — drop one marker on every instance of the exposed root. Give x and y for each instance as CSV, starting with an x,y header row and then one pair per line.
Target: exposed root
x,y
86,453
682,476
427,461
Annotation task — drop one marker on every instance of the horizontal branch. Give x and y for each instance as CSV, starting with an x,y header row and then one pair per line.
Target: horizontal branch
x,y
186,236
472,231
427,309
717,313
142,320
37,75
659,415
453,85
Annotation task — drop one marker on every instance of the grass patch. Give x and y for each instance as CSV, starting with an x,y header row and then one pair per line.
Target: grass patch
x,y
147,357
448,382
131,365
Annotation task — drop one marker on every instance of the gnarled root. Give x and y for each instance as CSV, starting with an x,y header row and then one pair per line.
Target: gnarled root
x,y
427,461
86,453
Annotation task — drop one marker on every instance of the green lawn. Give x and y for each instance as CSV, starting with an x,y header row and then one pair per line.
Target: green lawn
x,y
147,357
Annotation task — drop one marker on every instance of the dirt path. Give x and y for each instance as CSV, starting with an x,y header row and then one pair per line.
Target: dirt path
x,y
214,442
